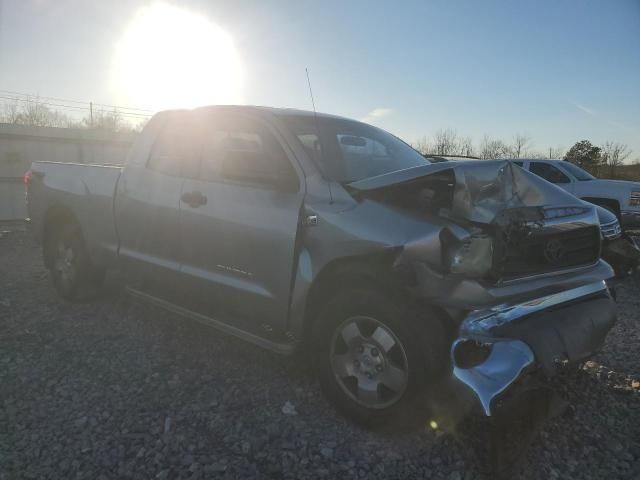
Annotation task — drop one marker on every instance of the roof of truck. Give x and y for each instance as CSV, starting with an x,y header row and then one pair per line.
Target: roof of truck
x,y
535,159
272,110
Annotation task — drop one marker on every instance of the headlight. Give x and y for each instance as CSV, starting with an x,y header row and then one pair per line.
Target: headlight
x,y
473,257
611,230
634,199
556,212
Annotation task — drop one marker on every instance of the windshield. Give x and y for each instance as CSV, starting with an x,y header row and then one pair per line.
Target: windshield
x,y
577,172
347,151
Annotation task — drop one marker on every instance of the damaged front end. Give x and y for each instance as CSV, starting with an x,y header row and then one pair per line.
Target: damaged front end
x,y
517,267
497,345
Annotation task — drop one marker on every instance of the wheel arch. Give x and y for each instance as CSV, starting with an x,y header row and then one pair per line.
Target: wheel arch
x,y
340,272
376,270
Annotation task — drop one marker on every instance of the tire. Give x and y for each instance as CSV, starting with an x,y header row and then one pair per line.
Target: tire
x,y
72,274
378,360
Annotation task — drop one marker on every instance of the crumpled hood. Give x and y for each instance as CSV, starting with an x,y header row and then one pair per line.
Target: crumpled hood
x,y
482,189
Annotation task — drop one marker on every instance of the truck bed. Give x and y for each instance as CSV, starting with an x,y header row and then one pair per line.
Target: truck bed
x,y
84,191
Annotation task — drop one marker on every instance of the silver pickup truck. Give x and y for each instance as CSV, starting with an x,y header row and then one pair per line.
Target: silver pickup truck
x,y
622,197
323,235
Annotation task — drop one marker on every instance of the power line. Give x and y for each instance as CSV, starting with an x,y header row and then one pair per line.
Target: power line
x,y
66,100
28,97
76,107
150,112
131,114
43,103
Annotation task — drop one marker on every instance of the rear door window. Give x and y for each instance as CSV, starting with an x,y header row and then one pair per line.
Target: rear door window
x,y
548,172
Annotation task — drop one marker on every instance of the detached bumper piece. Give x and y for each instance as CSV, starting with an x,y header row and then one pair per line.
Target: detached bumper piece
x,y
498,346
622,254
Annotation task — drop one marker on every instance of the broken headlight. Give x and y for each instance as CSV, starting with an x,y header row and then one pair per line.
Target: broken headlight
x,y
473,256
469,353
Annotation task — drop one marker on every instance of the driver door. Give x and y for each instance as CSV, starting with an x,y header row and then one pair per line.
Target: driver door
x,y
239,241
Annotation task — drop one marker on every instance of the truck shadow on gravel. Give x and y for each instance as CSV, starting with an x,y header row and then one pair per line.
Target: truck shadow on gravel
x,y
121,389
252,378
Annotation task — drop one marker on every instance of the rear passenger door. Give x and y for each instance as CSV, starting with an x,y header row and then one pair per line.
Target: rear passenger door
x,y
147,211
239,222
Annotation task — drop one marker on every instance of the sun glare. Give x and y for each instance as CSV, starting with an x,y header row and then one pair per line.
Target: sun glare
x,y
170,57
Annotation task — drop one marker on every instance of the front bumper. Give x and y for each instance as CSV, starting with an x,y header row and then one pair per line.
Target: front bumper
x,y
564,327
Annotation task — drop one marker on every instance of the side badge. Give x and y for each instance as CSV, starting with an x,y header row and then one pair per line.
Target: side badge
x,y
310,221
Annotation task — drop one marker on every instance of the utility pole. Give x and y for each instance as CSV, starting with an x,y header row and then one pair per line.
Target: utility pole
x,y
549,153
91,114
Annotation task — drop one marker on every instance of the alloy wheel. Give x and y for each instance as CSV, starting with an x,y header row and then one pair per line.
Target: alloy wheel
x,y
64,264
369,362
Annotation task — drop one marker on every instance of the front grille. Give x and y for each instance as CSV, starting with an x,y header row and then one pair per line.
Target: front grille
x,y
541,252
611,230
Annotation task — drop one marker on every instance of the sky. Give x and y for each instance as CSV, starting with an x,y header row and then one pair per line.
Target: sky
x,y
557,71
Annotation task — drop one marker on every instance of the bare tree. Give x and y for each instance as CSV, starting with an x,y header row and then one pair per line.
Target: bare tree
x,y
31,111
137,128
519,146
422,145
36,114
10,112
465,146
557,152
106,120
445,142
614,154
492,148
537,154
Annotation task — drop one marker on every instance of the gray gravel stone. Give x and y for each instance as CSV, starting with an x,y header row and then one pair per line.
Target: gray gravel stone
x,y
117,389
326,452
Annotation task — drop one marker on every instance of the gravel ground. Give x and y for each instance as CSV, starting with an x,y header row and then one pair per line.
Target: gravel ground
x,y
116,389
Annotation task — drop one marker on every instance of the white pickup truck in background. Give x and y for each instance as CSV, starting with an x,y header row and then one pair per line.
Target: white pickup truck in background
x,y
622,197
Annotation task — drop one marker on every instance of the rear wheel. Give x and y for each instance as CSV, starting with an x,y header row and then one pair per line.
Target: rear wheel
x,y
72,273
376,359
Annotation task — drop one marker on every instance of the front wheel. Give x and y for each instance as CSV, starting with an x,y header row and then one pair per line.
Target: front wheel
x,y
378,360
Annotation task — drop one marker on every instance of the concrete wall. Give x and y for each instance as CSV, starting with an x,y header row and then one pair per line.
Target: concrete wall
x,y
20,145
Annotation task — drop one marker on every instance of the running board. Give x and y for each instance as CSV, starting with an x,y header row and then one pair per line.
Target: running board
x,y
281,348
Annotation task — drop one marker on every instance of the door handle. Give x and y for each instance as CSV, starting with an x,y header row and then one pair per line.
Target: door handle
x,y
194,199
